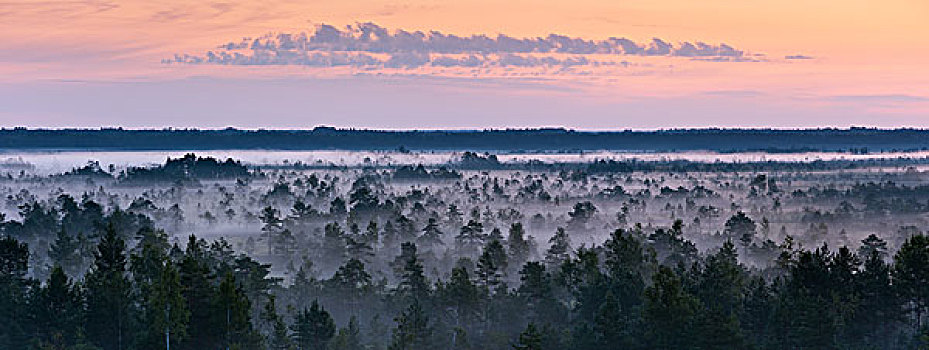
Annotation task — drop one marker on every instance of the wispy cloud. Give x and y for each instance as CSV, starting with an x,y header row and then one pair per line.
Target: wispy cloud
x,y
368,45
885,98
55,8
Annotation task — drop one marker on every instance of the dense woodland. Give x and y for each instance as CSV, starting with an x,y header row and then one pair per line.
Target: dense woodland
x,y
548,139
206,254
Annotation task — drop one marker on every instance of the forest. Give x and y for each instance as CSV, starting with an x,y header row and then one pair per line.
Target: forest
x,y
854,140
204,253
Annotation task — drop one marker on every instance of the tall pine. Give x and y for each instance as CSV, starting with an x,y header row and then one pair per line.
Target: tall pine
x,y
109,295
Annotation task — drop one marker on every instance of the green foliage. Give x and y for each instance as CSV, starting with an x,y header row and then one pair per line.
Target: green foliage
x,y
313,328
232,317
14,264
643,288
490,266
559,248
276,337
348,338
741,227
166,314
910,275
57,310
199,295
669,312
529,339
413,283
110,311
413,330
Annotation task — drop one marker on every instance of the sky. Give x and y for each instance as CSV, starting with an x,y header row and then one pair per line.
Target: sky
x,y
468,64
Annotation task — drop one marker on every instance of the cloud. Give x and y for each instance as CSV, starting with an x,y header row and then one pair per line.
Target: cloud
x,y
368,45
798,57
55,8
886,98
735,93
727,59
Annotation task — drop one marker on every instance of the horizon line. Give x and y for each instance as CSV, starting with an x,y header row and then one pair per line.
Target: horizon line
x,y
464,130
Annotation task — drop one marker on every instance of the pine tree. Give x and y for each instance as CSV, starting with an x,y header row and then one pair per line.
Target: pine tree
x,y
348,338
756,318
57,311
496,253
14,264
880,310
305,283
488,270
460,296
147,265
720,289
277,337
199,295
911,275
741,227
313,328
333,243
166,313
253,278
231,316
351,280
805,312
870,245
470,238
559,250
612,326
406,228
64,252
109,295
432,235
529,339
372,236
272,225
358,248
536,291
413,283
517,245
627,265
413,331
668,311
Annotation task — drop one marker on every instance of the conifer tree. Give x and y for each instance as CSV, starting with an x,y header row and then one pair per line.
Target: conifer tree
x,y
413,283
14,265
529,339
348,338
109,295
64,252
489,266
911,276
57,311
432,235
276,337
166,313
313,328
199,294
517,245
231,316
668,312
413,331
559,250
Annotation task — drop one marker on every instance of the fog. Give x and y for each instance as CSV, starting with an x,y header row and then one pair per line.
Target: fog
x,y
308,213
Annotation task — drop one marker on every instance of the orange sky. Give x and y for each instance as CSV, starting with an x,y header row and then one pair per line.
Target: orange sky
x,y
869,55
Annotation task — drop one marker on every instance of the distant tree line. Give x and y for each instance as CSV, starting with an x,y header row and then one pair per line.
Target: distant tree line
x,y
855,140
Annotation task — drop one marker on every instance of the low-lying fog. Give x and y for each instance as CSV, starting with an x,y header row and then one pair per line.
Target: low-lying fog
x,y
52,162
